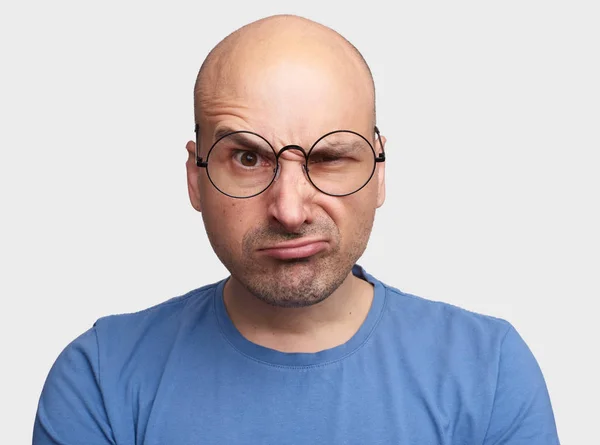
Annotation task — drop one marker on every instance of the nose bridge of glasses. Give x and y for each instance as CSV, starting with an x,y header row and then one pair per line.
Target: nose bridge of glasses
x,y
295,153
291,149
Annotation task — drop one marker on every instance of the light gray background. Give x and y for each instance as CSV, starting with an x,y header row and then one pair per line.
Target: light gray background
x,y
492,116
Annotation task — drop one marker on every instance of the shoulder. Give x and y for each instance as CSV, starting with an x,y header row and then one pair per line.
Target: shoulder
x,y
443,320
156,321
449,345
84,380
481,358
114,338
142,339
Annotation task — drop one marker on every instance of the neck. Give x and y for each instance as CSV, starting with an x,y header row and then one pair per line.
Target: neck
x,y
321,326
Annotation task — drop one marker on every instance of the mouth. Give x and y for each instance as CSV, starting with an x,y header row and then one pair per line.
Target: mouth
x,y
295,249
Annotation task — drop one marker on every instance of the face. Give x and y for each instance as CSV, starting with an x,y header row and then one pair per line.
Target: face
x,y
290,246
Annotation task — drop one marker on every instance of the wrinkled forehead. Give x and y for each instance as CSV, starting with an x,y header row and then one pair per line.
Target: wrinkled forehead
x,y
292,94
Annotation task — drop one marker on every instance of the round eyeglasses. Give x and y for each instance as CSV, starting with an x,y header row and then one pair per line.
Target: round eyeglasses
x,y
243,164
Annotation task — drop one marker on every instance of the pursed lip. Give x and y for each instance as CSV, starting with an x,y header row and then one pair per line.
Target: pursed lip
x,y
298,248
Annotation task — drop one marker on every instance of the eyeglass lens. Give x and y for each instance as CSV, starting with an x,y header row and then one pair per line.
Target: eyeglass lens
x,y
243,164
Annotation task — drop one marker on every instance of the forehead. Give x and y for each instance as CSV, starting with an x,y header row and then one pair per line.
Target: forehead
x,y
287,96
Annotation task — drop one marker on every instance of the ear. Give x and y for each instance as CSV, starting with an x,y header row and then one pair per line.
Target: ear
x,y
193,176
381,178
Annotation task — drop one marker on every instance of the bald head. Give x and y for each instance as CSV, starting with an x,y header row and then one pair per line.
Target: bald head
x,y
295,84
279,60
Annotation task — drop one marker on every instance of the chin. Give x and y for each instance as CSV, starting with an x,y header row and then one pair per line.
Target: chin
x,y
294,283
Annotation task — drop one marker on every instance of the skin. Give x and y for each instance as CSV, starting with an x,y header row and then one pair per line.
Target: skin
x,y
291,81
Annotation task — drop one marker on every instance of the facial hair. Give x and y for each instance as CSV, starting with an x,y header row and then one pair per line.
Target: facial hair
x,y
299,282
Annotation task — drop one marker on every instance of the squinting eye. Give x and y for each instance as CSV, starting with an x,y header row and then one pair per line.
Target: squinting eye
x,y
324,158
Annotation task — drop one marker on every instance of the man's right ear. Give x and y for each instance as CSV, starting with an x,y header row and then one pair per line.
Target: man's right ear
x,y
193,176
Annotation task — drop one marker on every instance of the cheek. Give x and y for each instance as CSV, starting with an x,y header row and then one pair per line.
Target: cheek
x,y
353,215
220,216
217,211
226,221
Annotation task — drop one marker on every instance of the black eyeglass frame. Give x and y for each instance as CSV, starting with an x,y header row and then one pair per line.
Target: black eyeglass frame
x,y
204,164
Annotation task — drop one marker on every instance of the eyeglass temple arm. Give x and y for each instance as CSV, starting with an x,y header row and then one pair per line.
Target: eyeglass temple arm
x,y
381,156
199,161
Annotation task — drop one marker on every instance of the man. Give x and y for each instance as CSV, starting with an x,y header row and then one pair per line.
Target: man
x,y
299,345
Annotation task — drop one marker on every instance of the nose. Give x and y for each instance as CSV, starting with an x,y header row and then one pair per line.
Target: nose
x,y
291,194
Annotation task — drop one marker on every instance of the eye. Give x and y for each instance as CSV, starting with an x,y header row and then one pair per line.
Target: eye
x,y
319,158
246,158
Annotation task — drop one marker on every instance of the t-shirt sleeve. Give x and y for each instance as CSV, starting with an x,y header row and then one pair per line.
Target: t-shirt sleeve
x,y
522,413
71,409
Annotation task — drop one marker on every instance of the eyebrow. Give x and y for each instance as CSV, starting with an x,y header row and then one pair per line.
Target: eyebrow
x,y
223,131
328,145
341,146
245,139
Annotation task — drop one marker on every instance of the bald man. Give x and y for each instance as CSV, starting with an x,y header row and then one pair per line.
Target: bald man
x,y
299,345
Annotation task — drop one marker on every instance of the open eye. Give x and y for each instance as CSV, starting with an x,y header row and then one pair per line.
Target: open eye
x,y
247,158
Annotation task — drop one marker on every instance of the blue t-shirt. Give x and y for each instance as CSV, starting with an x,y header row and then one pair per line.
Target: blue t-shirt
x,y
180,373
